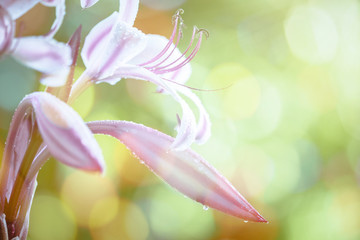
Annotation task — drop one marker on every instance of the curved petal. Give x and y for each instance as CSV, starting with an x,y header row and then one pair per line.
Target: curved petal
x,y
60,13
187,130
110,43
7,28
125,43
17,8
65,134
97,40
55,79
128,11
203,131
51,3
42,54
185,171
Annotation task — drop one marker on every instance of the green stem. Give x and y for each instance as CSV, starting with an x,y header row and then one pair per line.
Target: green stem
x,y
13,205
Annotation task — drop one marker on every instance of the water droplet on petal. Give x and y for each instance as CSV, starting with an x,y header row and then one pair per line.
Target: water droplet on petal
x,y
205,207
245,221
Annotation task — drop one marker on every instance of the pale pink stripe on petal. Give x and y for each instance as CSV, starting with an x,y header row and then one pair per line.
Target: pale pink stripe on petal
x,y
186,171
97,40
125,43
42,54
65,134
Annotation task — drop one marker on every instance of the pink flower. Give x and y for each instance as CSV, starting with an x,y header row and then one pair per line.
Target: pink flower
x,y
41,53
114,49
42,126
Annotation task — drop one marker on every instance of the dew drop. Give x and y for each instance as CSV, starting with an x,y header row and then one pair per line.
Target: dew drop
x,y
205,207
245,221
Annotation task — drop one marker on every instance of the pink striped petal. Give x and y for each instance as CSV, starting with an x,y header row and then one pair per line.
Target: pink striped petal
x,y
186,171
110,43
87,3
42,54
128,11
65,134
97,40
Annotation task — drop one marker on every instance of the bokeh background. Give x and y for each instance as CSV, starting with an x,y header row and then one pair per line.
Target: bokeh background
x,y
286,132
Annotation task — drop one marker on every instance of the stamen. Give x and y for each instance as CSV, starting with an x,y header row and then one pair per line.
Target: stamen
x,y
178,24
178,37
198,89
187,60
195,30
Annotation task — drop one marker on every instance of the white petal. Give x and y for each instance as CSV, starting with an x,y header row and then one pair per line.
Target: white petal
x,y
7,28
125,43
65,134
55,79
60,13
128,10
42,54
17,8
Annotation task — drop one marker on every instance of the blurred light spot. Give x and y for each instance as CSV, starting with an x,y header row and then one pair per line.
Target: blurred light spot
x,y
349,113
51,219
253,171
16,82
313,213
229,76
163,4
317,85
325,214
285,173
173,215
103,212
267,116
130,170
311,34
109,146
353,152
346,207
82,191
310,164
242,99
347,18
129,223
226,74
